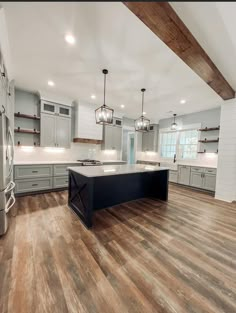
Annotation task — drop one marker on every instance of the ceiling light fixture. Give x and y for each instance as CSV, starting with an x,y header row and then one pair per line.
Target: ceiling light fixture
x,y
142,124
122,106
93,97
174,125
183,101
70,39
51,83
104,114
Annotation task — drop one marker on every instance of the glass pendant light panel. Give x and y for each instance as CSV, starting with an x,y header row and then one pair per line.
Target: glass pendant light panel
x,y
142,124
104,115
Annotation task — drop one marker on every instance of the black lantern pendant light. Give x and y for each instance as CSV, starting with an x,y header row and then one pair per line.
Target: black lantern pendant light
x,y
104,114
174,125
142,124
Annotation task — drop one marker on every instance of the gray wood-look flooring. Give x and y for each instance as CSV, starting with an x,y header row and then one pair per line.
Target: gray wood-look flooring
x,y
143,256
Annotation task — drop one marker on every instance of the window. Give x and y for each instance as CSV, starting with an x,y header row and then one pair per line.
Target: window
x,y
183,143
188,143
168,144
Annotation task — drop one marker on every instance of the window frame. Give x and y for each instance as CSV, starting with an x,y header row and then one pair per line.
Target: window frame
x,y
193,127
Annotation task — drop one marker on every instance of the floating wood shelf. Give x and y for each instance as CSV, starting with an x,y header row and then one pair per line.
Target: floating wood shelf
x,y
206,129
84,140
208,152
209,140
27,131
34,145
32,117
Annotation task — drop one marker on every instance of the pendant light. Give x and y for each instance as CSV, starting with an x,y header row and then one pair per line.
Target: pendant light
x,y
104,114
174,125
142,124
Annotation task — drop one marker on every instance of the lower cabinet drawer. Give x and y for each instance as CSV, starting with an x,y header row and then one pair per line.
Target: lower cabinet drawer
x,y
32,171
61,169
60,181
30,185
173,176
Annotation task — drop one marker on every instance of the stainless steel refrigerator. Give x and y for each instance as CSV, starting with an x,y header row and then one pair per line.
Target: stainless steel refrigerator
x,y
7,185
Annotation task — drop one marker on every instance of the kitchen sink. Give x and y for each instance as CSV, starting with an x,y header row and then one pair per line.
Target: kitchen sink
x,y
171,165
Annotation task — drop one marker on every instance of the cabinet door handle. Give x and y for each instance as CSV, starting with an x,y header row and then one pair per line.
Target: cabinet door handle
x,y
33,185
34,171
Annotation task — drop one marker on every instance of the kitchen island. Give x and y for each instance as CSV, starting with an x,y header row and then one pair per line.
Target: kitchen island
x,y
93,188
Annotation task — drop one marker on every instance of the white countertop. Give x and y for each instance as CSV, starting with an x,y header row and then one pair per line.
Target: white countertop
x,y
109,170
60,162
44,162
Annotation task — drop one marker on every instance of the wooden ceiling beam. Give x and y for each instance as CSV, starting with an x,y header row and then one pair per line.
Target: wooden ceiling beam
x,y
163,21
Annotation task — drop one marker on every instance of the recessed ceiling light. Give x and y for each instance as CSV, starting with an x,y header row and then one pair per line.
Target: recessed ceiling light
x,y
122,106
183,101
144,113
93,97
51,83
70,39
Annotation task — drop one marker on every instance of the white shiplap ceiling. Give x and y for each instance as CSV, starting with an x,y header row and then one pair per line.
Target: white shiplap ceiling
x,y
108,36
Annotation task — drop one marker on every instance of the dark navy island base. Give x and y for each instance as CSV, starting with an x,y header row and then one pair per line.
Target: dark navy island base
x,y
88,194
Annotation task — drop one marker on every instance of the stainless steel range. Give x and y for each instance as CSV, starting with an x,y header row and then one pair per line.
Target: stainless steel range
x,y
88,162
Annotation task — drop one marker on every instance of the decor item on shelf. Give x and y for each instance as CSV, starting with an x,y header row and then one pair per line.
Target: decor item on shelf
x,y
142,124
104,114
174,125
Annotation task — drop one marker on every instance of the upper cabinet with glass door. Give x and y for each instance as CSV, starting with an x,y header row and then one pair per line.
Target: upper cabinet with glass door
x,y
55,108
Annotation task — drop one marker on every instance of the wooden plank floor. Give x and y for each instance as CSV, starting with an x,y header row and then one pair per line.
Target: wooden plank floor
x,y
143,256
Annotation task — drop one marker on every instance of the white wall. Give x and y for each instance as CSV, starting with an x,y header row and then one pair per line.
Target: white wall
x,y
226,170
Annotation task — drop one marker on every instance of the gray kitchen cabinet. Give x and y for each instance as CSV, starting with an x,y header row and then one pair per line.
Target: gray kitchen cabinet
x,y
55,131
60,181
63,110
112,138
203,178
48,127
32,178
196,179
117,137
48,107
61,169
209,182
55,108
32,185
63,131
32,171
184,174
173,176
150,139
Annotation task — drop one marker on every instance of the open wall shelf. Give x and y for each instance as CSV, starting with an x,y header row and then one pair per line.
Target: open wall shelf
x,y
27,131
32,117
209,140
206,129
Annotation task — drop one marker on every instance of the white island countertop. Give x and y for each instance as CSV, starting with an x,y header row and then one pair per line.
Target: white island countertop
x,y
109,170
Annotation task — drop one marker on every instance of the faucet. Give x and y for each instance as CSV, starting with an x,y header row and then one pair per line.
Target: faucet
x,y
174,158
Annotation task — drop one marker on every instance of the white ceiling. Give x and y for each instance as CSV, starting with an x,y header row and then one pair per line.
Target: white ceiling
x,y
108,36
